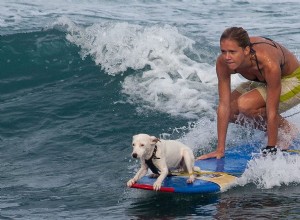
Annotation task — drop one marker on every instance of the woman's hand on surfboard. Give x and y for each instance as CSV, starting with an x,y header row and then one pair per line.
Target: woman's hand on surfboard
x,y
214,154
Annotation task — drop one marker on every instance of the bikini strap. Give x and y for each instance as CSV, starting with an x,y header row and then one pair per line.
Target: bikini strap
x,y
273,44
282,64
252,51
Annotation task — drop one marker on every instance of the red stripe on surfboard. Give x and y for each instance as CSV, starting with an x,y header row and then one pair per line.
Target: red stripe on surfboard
x,y
149,187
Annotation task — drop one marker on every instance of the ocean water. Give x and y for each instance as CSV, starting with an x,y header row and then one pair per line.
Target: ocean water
x,y
79,78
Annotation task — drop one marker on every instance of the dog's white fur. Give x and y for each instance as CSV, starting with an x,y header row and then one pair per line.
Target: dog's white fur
x,y
172,155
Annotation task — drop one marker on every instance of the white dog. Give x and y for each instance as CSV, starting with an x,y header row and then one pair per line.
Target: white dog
x,y
161,156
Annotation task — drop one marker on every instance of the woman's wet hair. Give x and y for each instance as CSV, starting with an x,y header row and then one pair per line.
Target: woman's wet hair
x,y
237,34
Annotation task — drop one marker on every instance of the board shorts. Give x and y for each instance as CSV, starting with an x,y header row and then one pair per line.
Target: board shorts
x,y
290,90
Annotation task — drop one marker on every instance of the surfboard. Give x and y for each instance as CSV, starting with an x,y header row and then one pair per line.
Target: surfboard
x,y
216,174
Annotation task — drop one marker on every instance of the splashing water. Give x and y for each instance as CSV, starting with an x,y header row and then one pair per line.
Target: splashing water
x,y
268,172
168,80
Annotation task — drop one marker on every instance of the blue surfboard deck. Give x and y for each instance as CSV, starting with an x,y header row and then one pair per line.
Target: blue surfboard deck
x,y
216,174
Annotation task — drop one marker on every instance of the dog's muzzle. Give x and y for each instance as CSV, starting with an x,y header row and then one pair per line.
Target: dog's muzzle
x,y
134,155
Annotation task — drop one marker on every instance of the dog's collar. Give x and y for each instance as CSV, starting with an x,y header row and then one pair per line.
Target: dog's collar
x,y
150,164
154,154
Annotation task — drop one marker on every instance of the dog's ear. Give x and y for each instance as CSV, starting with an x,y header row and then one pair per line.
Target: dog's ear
x,y
154,139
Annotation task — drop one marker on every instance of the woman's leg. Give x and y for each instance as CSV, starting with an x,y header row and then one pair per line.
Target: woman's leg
x,y
250,104
253,106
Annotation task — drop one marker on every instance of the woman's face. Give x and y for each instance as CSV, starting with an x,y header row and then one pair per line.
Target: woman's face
x,y
232,53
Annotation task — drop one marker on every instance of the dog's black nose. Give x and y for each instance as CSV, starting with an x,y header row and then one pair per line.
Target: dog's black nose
x,y
134,155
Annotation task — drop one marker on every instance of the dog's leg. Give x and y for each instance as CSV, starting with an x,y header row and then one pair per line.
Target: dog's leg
x,y
142,172
189,164
162,166
163,174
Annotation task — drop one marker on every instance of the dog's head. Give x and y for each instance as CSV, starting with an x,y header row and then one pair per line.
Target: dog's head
x,y
143,145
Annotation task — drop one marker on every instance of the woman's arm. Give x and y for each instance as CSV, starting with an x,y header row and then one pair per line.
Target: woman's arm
x,y
223,111
272,74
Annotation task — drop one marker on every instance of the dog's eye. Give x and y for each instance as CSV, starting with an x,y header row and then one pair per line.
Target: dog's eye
x,y
142,145
132,144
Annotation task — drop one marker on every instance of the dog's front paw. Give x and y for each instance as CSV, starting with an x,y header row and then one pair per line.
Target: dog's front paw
x,y
191,179
157,185
130,182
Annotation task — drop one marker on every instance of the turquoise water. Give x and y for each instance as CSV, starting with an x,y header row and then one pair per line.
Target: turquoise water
x,y
79,78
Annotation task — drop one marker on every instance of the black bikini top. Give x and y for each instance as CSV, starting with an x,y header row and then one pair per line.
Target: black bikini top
x,y
252,51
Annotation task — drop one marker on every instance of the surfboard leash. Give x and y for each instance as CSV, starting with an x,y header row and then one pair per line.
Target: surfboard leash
x,y
293,151
201,173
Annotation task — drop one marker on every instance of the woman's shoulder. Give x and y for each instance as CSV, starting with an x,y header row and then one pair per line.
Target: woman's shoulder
x,y
265,49
256,38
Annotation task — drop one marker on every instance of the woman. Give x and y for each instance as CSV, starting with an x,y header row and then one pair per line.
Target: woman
x,y
274,86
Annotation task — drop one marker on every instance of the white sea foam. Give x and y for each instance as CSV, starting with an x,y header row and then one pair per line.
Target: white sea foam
x,y
169,81
268,172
